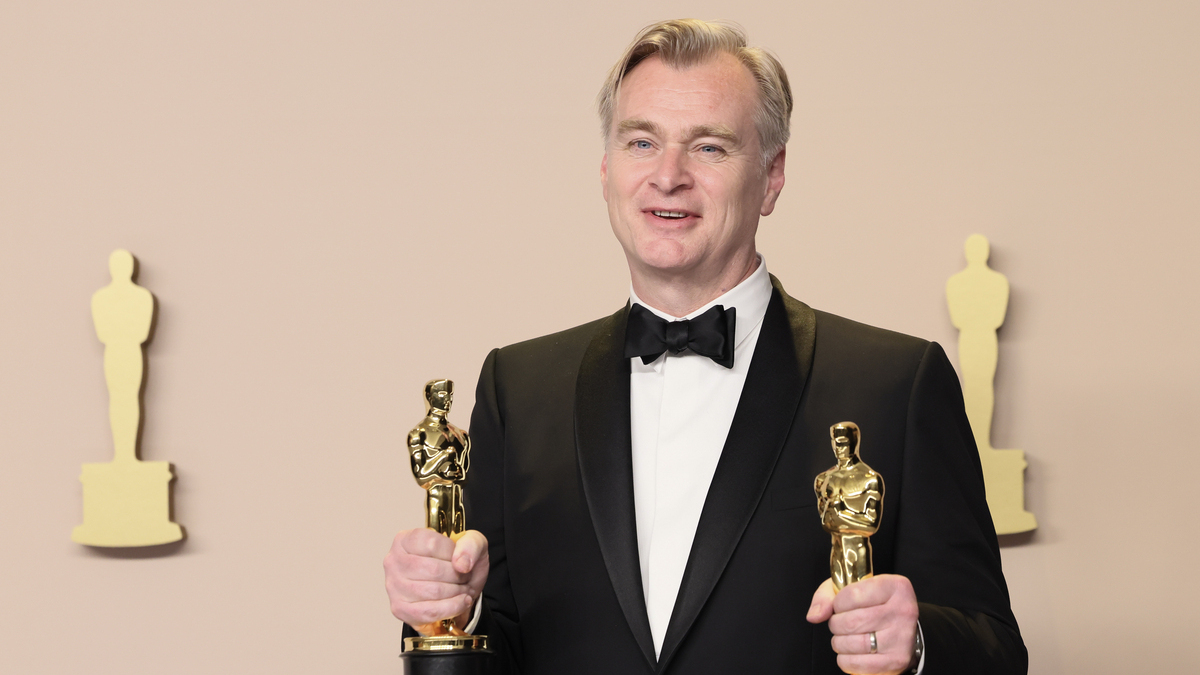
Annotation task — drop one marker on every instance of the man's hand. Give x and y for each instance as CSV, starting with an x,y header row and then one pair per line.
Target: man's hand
x,y
885,605
430,577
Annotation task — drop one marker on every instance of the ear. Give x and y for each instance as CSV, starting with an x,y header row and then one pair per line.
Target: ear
x,y
775,181
604,175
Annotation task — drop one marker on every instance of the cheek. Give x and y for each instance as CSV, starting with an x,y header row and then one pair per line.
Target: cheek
x,y
623,179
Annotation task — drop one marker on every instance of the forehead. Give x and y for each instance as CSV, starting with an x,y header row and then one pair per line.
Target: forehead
x,y
720,90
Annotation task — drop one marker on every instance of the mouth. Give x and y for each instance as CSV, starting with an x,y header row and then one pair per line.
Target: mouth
x,y
669,215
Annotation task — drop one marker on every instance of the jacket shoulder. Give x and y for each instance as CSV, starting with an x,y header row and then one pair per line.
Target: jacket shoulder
x,y
540,356
852,337
837,338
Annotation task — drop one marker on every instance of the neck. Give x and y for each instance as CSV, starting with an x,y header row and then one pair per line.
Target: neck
x,y
681,294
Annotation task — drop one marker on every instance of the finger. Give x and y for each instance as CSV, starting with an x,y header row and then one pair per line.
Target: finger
x,y
865,593
885,588
859,621
859,643
479,575
400,564
426,591
869,664
894,650
470,547
434,569
425,542
403,574
821,607
415,613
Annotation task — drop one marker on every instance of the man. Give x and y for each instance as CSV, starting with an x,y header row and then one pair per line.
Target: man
x,y
643,486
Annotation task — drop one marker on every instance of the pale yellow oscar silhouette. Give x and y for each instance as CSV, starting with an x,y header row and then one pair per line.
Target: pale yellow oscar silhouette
x,y
978,300
126,502
850,503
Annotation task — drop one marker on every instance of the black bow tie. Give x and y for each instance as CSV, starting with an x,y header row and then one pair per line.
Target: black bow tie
x,y
710,334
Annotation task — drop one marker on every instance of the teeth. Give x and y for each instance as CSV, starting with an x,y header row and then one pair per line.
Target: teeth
x,y
670,214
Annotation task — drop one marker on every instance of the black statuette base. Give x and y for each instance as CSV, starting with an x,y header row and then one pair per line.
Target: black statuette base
x,y
469,662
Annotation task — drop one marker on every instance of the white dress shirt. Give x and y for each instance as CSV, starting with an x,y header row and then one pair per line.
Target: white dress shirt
x,y
681,408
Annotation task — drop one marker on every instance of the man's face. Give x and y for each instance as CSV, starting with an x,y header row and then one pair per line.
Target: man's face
x,y
682,173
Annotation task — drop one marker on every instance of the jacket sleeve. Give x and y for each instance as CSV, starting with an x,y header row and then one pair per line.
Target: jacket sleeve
x,y
485,511
946,543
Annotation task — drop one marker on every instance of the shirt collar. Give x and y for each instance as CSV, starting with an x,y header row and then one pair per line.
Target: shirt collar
x,y
749,297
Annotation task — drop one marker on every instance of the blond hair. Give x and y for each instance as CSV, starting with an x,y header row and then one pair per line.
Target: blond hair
x,y
682,43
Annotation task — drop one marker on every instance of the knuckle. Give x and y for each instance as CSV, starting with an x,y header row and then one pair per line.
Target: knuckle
x,y
419,591
427,568
837,624
406,588
429,614
401,610
850,664
401,536
423,591
411,541
848,598
853,624
416,542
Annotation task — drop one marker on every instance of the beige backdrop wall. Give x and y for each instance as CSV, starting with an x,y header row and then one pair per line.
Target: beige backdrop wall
x,y
317,190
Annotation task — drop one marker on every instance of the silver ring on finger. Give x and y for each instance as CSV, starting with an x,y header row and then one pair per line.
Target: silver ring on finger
x,y
874,643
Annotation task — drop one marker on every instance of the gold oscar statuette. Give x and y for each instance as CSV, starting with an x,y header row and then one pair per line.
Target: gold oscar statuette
x,y
440,456
850,501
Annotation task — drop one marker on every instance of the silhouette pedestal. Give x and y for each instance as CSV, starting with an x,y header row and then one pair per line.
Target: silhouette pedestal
x,y
1004,480
126,503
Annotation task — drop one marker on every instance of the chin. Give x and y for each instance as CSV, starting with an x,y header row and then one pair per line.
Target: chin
x,y
665,256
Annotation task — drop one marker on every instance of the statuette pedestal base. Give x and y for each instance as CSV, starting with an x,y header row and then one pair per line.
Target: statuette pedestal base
x,y
447,655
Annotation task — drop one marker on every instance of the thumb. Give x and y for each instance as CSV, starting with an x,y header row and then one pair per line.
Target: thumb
x,y
469,548
822,603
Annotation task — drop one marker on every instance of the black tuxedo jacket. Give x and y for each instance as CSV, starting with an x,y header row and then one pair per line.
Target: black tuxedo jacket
x,y
551,487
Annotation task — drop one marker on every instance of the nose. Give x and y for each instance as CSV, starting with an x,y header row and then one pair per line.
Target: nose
x,y
672,171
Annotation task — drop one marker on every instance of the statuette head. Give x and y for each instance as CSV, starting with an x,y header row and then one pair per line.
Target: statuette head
x,y
844,436
439,395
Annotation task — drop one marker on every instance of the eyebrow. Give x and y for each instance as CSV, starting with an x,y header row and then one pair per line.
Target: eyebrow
x,y
720,131
700,131
625,126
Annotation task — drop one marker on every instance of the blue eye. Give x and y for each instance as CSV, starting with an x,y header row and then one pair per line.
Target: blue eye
x,y
642,145
709,148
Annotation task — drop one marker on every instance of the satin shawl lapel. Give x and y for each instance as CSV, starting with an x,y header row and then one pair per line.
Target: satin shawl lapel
x,y
604,447
761,423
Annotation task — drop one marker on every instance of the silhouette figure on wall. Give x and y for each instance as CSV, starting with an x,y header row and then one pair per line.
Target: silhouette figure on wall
x,y
978,300
126,502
